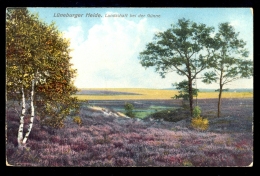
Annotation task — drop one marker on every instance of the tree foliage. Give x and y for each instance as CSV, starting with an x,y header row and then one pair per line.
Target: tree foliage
x,y
229,61
38,62
184,48
184,90
129,109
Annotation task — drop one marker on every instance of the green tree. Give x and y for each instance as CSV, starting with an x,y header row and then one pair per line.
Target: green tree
x,y
58,86
229,60
184,48
129,109
19,54
184,90
36,53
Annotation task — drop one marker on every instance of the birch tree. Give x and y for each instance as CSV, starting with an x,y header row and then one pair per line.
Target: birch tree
x,y
36,52
229,60
18,57
185,49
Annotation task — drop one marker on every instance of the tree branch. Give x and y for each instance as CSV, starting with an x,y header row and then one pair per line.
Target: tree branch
x,y
191,54
180,70
179,52
217,71
225,82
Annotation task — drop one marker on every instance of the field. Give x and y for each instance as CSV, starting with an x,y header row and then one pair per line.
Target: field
x,y
148,94
106,140
146,101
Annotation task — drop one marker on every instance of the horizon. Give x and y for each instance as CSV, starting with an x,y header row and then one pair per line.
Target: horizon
x,y
106,49
152,88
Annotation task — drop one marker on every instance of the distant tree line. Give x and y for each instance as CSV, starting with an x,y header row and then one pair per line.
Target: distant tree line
x,y
223,90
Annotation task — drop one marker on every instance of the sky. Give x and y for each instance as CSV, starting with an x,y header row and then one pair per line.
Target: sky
x,y
106,49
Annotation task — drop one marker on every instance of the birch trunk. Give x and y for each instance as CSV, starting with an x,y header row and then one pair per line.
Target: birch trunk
x,y
32,114
20,131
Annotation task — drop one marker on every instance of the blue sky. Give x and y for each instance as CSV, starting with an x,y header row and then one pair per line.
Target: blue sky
x,y
105,49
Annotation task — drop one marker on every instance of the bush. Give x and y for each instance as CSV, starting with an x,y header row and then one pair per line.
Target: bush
x,y
196,111
197,121
54,122
171,115
187,163
129,109
200,123
77,120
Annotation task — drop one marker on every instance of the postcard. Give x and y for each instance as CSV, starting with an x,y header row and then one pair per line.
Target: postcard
x,y
129,87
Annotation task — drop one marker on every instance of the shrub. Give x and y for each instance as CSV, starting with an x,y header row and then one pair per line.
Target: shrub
x,y
187,163
171,115
54,122
199,123
196,111
129,109
77,120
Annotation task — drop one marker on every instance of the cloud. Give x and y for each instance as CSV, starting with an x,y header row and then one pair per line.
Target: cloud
x,y
235,23
108,57
75,34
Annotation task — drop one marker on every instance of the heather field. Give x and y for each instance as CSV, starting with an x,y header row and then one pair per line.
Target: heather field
x,y
107,139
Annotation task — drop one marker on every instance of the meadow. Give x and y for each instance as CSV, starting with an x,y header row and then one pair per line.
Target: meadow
x,y
150,94
145,101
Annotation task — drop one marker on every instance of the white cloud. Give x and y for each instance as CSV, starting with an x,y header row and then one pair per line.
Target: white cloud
x,y
106,55
75,34
235,23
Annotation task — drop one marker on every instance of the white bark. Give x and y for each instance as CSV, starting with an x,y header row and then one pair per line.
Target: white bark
x,y
20,131
32,114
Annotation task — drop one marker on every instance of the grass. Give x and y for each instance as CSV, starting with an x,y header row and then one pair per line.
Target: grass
x,y
155,94
144,112
141,114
